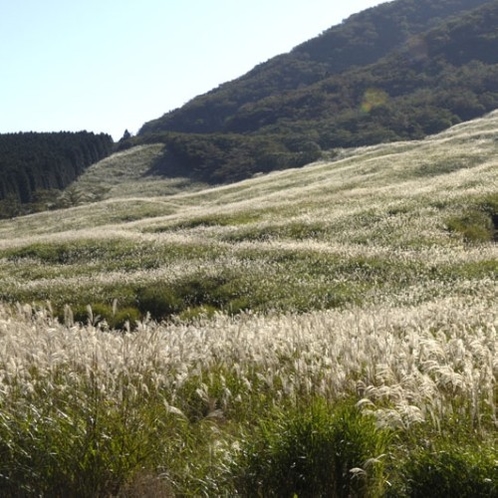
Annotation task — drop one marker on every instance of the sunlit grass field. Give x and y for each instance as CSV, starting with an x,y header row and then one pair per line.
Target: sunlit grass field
x,y
324,331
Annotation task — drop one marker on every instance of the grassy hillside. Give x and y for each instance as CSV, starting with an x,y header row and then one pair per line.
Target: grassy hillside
x,y
323,331
410,210
131,173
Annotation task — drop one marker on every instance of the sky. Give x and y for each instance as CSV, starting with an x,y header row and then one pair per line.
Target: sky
x,y
111,65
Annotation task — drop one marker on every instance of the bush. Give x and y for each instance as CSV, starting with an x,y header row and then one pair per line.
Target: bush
x,y
197,293
474,226
313,452
160,301
489,205
192,314
450,471
480,222
128,315
80,444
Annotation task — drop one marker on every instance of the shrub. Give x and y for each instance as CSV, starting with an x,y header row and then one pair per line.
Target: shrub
x,y
480,222
202,293
78,445
198,312
160,301
474,226
489,205
93,314
128,315
313,452
453,470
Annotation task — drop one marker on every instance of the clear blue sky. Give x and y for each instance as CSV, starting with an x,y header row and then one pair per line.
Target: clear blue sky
x,y
111,65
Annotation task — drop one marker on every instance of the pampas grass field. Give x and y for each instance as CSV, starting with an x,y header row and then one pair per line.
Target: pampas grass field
x,y
323,331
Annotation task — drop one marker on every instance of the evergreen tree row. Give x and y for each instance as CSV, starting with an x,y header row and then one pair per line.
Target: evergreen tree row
x,y
31,162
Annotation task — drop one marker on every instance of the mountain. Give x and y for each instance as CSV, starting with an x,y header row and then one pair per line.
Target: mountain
x,y
361,40
398,71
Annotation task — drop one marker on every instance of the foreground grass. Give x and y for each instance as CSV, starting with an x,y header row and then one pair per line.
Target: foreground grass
x,y
328,331
253,405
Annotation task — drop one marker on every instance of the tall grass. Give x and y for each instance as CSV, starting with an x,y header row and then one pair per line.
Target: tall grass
x,y
88,412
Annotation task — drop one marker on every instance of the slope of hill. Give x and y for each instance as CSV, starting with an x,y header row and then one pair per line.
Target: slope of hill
x,y
399,71
131,173
369,206
342,312
360,40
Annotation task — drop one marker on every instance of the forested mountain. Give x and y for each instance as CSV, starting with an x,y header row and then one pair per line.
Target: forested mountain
x,y
34,162
360,40
401,70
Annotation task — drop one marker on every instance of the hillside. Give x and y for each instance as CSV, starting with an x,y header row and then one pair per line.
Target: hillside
x,y
398,71
295,297
243,338
361,40
359,214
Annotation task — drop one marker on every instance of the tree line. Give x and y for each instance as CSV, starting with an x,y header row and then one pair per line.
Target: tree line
x,y
31,163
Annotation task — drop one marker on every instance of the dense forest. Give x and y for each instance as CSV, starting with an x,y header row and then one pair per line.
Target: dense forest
x,y
402,70
32,164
